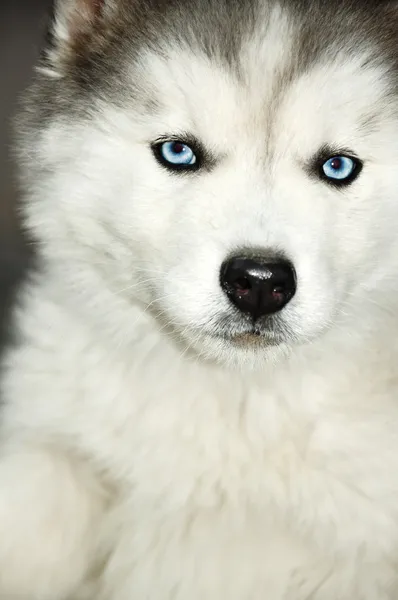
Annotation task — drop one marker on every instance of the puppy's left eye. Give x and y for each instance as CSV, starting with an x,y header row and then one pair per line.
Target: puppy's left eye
x,y
340,170
175,155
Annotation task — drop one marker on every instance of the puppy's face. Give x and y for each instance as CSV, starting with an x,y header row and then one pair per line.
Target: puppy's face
x,y
246,205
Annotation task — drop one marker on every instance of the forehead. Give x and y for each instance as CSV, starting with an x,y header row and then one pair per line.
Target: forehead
x,y
275,80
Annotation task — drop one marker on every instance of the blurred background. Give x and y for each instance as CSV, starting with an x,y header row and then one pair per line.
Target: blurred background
x,y
22,26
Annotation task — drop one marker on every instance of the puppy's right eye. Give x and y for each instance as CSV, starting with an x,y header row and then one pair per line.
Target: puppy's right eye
x,y
176,155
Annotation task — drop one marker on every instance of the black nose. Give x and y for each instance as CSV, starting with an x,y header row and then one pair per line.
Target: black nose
x,y
256,286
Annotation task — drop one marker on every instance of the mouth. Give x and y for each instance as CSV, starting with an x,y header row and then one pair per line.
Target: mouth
x,y
255,335
227,330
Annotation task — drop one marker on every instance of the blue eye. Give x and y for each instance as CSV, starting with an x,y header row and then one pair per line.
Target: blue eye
x,y
340,169
175,154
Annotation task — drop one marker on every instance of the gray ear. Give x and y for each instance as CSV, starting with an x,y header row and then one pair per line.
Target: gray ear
x,y
73,27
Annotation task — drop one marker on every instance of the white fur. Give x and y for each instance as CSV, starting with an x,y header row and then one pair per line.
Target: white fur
x,y
143,463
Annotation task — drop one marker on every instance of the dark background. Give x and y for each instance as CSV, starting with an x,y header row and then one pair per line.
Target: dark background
x,y
22,27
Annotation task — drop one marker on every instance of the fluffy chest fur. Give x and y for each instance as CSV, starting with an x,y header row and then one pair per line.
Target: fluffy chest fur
x,y
218,484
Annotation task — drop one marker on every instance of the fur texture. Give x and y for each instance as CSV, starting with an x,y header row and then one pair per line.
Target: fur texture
x,y
150,447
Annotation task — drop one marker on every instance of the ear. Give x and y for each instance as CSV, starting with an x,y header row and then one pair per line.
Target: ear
x,y
74,27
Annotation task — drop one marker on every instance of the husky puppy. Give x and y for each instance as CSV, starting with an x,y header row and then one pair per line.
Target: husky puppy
x,y
201,400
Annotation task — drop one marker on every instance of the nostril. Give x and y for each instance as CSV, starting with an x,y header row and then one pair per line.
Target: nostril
x,y
280,297
279,289
242,285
